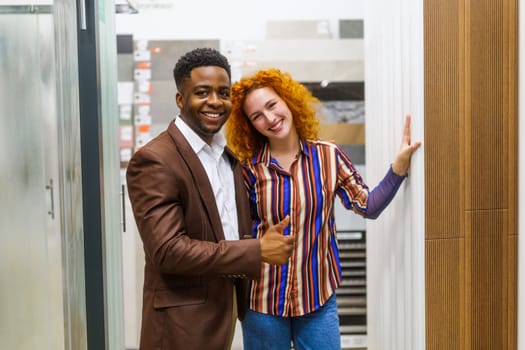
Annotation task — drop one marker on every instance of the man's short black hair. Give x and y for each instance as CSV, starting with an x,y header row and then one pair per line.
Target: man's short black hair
x,y
199,58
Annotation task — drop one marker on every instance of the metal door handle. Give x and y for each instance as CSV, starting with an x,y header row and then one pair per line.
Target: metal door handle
x,y
50,188
123,198
81,4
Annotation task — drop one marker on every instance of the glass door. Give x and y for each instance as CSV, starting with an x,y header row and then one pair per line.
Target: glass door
x,y
41,252
31,250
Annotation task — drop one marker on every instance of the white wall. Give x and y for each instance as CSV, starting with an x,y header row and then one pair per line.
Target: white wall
x,y
395,241
230,19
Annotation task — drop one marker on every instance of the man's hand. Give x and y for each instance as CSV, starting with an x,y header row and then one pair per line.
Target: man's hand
x,y
276,248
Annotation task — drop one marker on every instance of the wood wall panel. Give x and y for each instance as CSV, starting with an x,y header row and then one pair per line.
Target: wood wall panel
x,y
486,278
443,115
471,126
512,305
444,300
486,123
510,110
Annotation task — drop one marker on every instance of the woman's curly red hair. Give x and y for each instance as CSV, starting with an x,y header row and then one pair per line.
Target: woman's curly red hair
x,y
242,137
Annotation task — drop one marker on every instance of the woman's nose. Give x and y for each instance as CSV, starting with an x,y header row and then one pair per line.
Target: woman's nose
x,y
270,117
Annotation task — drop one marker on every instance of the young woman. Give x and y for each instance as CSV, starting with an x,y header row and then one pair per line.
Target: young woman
x,y
288,171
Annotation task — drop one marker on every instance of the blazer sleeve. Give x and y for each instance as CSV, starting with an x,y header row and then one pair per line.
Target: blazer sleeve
x,y
174,224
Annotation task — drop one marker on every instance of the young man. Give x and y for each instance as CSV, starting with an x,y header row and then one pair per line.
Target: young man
x,y
191,208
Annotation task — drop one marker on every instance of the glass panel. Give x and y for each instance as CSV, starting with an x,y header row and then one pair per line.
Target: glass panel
x,y
64,12
111,177
41,246
30,244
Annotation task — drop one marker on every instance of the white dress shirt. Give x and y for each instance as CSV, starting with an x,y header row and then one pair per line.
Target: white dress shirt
x,y
220,175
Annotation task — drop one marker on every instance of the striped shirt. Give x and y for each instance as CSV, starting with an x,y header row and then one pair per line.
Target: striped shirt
x,y
306,193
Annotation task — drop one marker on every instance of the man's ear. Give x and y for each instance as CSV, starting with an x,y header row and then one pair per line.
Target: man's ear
x,y
179,99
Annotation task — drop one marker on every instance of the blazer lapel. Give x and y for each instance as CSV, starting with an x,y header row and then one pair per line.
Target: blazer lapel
x,y
241,197
200,178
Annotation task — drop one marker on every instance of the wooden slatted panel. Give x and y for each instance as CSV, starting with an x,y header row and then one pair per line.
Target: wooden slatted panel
x,y
471,126
444,296
486,275
512,306
443,115
487,152
510,32
510,111
444,118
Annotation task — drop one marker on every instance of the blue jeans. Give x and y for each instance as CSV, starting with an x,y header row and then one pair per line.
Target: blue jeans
x,y
315,331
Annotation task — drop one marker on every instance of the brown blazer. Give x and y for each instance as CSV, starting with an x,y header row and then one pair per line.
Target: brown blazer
x,y
190,269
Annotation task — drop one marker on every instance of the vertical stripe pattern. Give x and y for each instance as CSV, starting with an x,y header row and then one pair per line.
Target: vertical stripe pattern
x,y
306,192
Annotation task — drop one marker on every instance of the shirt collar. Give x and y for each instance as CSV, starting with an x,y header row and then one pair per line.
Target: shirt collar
x,y
196,142
263,155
